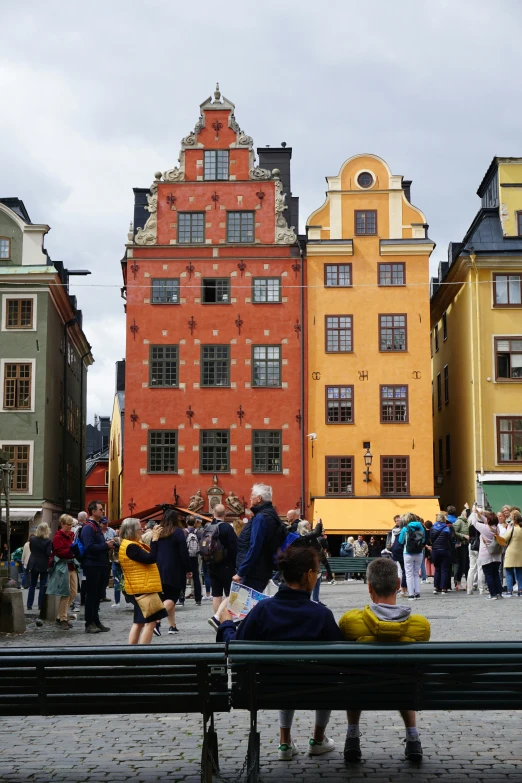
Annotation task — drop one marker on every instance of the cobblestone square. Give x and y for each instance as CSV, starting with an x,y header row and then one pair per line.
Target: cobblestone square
x,y
458,746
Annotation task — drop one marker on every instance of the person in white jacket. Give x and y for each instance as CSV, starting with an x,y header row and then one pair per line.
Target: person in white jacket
x,y
486,525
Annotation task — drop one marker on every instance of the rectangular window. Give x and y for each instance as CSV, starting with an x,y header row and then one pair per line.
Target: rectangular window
x,y
394,404
240,226
215,290
508,353
266,365
448,454
19,314
214,451
441,457
163,451
446,384
392,274
365,221
5,248
339,404
392,332
17,386
106,480
191,227
339,334
18,456
436,330
73,418
339,476
431,344
509,438
163,361
519,224
444,326
439,391
395,475
215,164
507,290
338,275
215,365
165,291
266,290
267,450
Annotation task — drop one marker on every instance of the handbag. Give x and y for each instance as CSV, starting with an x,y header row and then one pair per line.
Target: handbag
x,y
494,547
149,603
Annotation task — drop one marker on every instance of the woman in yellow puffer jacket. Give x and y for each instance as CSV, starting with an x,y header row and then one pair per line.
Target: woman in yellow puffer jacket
x,y
141,574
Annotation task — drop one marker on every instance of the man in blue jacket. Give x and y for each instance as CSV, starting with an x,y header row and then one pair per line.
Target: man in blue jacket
x,y
257,541
95,564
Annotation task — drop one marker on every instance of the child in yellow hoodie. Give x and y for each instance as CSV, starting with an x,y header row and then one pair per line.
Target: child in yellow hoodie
x,y
383,621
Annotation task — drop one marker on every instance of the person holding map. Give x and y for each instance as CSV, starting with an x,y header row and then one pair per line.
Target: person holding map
x,y
290,616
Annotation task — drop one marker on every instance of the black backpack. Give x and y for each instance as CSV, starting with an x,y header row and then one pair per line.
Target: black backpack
x,y
414,540
211,548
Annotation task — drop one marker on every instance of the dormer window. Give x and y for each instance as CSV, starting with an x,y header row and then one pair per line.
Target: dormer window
x,y
5,248
216,164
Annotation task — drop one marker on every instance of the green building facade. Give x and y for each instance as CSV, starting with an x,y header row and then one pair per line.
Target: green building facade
x,y
44,357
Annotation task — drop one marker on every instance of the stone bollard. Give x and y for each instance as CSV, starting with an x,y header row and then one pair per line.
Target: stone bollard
x,y
12,618
49,610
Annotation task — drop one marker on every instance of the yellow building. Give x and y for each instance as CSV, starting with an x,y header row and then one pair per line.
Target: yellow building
x,y
368,354
476,317
116,447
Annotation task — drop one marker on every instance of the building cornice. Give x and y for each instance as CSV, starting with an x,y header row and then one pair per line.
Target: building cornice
x,y
405,247
342,247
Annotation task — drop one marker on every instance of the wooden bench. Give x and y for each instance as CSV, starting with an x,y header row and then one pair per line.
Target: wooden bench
x,y
119,679
341,675
348,565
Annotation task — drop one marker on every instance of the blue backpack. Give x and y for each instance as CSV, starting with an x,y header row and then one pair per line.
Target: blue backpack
x,y
78,547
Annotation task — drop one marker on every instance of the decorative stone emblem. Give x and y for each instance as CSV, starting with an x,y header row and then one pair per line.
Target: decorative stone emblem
x,y
174,175
234,504
259,173
214,494
196,502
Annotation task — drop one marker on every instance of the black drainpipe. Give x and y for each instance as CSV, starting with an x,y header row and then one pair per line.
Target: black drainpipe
x,y
303,412
82,462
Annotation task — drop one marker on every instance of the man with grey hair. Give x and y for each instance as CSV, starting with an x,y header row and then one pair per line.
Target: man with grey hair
x,y
258,541
292,517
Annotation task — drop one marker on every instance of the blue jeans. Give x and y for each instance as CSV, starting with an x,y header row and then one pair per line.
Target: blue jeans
x,y
441,560
32,587
116,573
514,575
315,591
423,568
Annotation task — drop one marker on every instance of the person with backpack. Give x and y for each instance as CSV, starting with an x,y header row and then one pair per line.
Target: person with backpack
x,y
193,550
397,550
412,536
259,541
173,563
490,552
219,551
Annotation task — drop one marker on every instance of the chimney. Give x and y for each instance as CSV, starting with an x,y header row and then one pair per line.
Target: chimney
x,y
120,375
406,186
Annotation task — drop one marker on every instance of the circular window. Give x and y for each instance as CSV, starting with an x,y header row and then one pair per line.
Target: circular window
x,y
365,180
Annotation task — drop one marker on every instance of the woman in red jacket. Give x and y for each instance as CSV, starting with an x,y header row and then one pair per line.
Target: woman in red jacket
x,y
62,541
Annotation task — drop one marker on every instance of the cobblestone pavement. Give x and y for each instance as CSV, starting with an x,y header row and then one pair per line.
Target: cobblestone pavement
x,y
458,746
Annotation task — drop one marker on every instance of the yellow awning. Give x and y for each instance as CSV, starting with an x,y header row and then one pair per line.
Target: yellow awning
x,y
369,515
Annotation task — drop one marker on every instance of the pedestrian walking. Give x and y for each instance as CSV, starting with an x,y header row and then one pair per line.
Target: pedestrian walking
x,y
63,578
412,537
40,547
219,551
142,579
374,547
397,550
95,565
442,537
173,563
26,554
193,550
428,565
513,556
258,542
347,551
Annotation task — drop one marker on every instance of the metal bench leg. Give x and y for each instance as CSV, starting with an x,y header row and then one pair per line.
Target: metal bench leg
x,y
254,743
209,752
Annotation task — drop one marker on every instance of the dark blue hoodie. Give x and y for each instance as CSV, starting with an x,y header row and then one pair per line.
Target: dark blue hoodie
x,y
289,616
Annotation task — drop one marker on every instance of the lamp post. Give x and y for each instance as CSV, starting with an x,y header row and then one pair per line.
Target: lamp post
x,y
368,457
6,472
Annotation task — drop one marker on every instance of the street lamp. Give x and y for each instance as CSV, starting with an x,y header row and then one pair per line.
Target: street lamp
x,y
368,457
439,479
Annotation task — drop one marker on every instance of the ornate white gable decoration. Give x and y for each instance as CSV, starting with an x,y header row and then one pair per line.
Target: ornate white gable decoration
x,y
284,235
149,233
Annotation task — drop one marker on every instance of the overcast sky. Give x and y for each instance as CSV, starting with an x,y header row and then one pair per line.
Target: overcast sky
x,y
96,97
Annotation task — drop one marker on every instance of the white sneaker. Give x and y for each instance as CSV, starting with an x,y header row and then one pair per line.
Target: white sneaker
x,y
206,598
318,748
333,582
285,752
115,606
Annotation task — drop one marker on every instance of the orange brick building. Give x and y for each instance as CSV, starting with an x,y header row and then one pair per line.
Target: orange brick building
x,y
213,275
